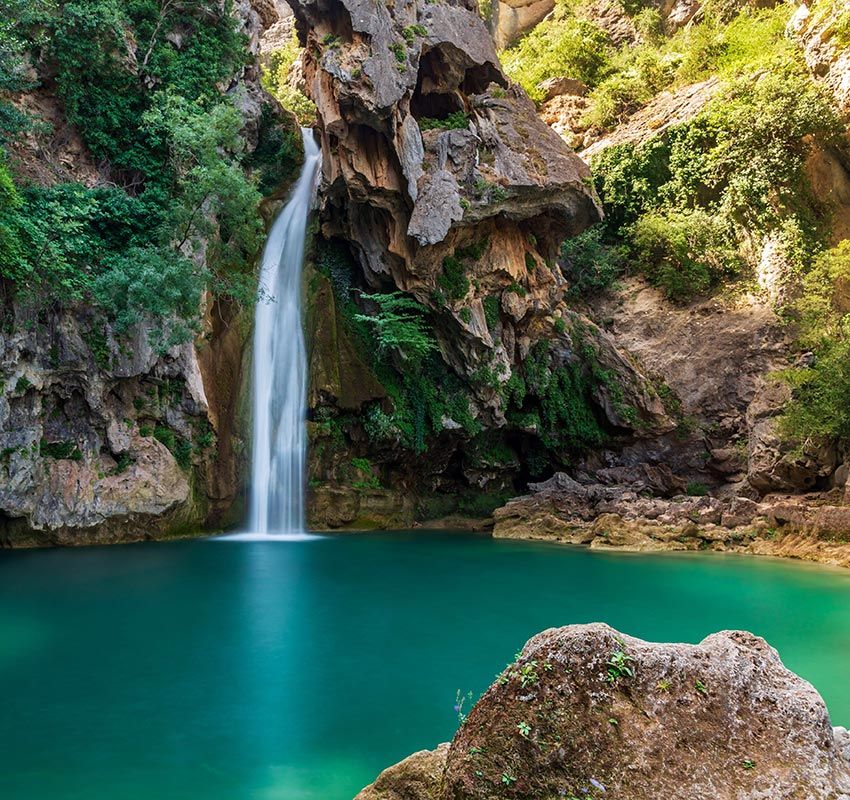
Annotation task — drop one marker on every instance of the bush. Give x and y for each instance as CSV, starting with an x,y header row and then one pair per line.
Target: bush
x,y
588,263
105,88
819,408
399,324
453,280
684,253
459,120
275,79
564,45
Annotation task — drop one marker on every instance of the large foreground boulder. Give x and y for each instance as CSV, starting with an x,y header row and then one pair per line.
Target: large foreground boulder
x,y
588,712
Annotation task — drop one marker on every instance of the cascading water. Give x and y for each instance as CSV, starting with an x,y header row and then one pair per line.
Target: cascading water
x,y
280,366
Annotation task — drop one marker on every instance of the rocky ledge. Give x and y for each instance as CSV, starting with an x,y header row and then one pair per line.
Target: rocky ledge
x,y
646,508
587,712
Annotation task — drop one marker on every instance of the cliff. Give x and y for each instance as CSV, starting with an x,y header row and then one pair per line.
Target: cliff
x,y
441,182
120,394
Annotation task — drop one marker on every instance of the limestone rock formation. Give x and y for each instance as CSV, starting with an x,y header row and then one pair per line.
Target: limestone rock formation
x,y
816,28
588,712
428,151
512,18
644,508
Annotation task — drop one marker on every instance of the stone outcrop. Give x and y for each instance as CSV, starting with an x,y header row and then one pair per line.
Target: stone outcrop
x,y
644,508
78,416
510,19
817,26
418,777
586,711
442,181
428,151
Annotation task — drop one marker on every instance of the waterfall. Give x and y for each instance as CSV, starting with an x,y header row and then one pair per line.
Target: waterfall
x,y
280,366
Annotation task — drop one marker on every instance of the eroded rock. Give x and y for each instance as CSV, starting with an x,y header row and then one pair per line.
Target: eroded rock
x,y
586,711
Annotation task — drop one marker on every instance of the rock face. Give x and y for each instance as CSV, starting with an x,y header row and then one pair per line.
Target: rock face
x,y
427,150
106,438
817,27
77,421
588,712
512,18
442,181
644,508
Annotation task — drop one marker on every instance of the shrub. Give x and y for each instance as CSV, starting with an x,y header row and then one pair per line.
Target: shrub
x,y
819,407
399,324
275,79
458,120
453,278
564,45
491,311
684,253
588,263
104,89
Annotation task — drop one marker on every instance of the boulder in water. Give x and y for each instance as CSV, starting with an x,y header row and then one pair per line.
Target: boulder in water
x,y
588,712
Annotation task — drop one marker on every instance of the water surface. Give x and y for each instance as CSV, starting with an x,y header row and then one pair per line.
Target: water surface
x,y
298,670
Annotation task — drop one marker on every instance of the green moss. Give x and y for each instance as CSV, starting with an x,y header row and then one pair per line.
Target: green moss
x,y
60,450
491,311
453,278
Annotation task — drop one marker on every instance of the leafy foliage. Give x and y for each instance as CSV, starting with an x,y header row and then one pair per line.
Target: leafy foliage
x,y
458,120
685,253
819,408
589,263
399,324
564,45
683,202
155,114
106,87
276,81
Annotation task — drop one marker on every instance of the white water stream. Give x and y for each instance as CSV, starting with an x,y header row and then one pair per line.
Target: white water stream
x,y
280,367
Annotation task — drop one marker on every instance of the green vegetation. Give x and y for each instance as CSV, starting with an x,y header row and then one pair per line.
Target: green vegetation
x,y
399,324
276,81
565,45
562,398
60,450
819,409
684,204
619,665
422,389
589,263
458,120
180,448
453,280
155,115
491,311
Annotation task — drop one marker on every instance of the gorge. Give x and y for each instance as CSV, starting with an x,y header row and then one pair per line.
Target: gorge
x,y
588,290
